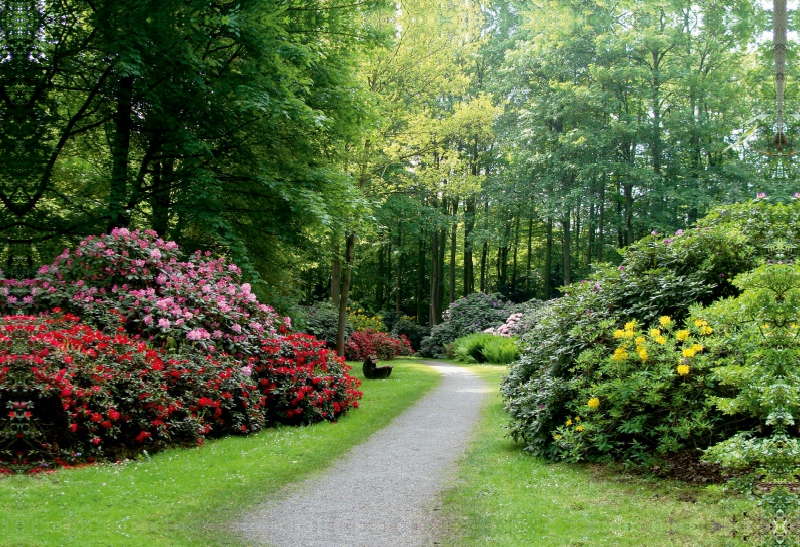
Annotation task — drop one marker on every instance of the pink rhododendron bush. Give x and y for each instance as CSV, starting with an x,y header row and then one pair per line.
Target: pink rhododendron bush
x,y
123,345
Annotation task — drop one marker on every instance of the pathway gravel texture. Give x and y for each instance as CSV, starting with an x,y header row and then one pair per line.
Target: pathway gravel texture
x,y
384,491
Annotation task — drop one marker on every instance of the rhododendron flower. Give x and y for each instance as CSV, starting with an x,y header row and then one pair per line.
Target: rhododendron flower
x,y
164,323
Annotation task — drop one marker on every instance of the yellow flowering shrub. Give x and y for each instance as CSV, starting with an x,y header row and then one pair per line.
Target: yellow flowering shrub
x,y
361,321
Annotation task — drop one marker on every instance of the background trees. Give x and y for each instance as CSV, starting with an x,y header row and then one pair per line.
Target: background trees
x,y
427,150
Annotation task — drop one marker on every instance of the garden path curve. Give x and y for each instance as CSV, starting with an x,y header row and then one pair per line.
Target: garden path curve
x,y
384,491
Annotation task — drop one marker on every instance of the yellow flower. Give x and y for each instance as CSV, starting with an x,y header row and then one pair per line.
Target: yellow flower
x,y
665,320
640,341
689,352
594,402
700,323
655,332
661,340
630,325
619,333
683,370
556,437
706,330
579,428
577,418
619,355
569,423
642,354
682,335
697,348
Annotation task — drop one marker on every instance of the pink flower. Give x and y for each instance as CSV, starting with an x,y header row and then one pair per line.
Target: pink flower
x,y
247,371
288,322
155,254
236,327
148,320
164,323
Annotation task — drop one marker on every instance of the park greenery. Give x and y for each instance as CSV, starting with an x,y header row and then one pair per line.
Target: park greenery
x,y
207,205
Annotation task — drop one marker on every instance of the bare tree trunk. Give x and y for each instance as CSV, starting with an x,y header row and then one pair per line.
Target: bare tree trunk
x,y
453,244
420,278
440,273
120,150
469,266
400,264
600,219
349,255
528,262
565,226
434,297
336,272
548,260
514,259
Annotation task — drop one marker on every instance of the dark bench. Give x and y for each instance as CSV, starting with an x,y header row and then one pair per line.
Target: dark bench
x,y
373,372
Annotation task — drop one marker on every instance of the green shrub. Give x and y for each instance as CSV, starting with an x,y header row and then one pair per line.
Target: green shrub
x,y
482,347
322,320
474,313
408,327
566,351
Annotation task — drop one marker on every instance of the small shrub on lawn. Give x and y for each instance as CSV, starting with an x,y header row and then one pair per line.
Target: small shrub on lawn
x,y
368,342
484,347
474,313
322,321
408,327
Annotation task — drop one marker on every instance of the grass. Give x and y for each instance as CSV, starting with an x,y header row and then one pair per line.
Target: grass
x,y
505,497
184,497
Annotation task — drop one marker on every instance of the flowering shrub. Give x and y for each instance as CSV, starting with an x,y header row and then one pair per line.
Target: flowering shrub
x,y
302,381
509,328
140,278
74,393
658,277
362,321
368,342
647,393
221,363
473,313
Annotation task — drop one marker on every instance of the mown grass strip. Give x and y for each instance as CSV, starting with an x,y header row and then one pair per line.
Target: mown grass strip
x,y
505,497
187,497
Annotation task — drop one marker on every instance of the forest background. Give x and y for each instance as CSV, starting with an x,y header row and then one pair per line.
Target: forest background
x,y
396,154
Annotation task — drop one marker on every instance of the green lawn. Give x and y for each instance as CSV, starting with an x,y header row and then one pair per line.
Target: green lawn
x,y
505,497
182,498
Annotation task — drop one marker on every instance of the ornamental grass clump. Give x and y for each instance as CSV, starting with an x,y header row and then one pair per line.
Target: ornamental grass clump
x,y
468,315
482,347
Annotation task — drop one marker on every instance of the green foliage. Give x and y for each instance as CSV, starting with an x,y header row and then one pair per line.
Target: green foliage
x,y
483,347
474,313
757,355
322,320
572,335
408,327
361,321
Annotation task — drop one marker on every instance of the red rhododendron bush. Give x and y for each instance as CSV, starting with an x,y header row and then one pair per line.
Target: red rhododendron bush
x,y
368,342
152,350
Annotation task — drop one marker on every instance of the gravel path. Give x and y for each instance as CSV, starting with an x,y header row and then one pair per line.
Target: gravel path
x,y
383,492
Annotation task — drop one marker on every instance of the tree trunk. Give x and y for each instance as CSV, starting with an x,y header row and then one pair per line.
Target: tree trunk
x,y
514,259
400,264
434,297
120,149
628,213
469,266
336,272
600,218
349,254
565,226
453,244
548,259
420,278
528,262
161,198
590,233
379,285
440,273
